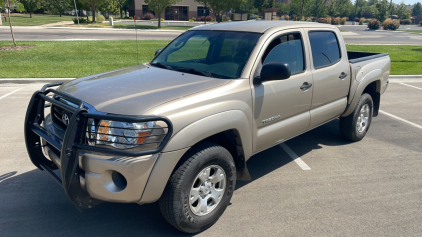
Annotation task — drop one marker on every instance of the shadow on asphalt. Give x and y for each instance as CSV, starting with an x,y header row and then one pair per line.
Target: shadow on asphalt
x,y
269,160
34,205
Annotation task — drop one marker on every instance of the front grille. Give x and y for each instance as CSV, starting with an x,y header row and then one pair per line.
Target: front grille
x,y
59,115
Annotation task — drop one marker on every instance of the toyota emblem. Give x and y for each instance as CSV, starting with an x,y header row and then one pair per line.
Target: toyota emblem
x,y
65,119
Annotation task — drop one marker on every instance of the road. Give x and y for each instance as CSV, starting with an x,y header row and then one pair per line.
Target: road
x,y
354,35
367,188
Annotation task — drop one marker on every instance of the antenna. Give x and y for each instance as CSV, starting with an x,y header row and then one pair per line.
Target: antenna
x,y
136,30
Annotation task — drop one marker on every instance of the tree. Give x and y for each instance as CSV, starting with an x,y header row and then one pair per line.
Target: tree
x,y
93,5
318,8
332,9
382,10
402,11
158,6
31,6
417,9
59,6
283,9
300,5
344,7
7,5
218,7
246,6
259,4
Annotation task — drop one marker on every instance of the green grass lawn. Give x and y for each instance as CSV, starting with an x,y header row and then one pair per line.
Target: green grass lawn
x,y
122,26
82,58
405,59
73,59
36,20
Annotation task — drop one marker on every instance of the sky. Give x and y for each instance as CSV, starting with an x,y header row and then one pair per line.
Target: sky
x,y
407,2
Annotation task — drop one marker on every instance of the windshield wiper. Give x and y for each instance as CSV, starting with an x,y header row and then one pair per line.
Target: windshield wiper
x,y
195,71
161,65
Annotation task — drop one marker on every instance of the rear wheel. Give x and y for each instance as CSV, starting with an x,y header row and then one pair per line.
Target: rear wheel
x,y
200,189
355,126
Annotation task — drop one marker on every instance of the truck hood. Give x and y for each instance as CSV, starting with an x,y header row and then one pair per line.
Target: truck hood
x,y
134,90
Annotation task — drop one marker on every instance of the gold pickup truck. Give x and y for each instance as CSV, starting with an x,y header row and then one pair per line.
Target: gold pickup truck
x,y
180,128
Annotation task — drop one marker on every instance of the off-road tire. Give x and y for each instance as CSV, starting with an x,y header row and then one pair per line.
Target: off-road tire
x,y
348,125
174,203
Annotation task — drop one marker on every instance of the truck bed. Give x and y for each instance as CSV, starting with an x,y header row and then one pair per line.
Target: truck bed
x,y
355,57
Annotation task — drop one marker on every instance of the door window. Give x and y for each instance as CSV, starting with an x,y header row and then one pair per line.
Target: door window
x,y
325,48
286,49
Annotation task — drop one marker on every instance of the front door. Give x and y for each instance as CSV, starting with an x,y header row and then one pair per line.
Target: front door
x,y
281,108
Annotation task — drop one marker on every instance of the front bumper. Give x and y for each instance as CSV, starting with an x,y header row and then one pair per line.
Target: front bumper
x,y
88,174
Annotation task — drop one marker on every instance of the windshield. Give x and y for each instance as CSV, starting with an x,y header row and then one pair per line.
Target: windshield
x,y
219,54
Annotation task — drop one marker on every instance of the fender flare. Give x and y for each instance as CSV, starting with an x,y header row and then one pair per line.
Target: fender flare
x,y
370,77
189,136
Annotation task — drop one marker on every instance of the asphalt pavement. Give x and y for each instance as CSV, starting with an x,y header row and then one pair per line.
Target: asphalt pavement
x,y
368,188
354,34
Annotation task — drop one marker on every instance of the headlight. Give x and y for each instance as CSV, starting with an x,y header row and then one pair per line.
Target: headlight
x,y
121,134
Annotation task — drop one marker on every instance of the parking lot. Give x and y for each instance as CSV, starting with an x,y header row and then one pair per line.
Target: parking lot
x,y
368,188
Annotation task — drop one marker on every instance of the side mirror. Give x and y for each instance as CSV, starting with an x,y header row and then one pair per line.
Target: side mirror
x,y
273,71
158,51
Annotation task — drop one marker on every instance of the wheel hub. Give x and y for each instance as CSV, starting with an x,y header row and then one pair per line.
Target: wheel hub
x,y
207,190
363,119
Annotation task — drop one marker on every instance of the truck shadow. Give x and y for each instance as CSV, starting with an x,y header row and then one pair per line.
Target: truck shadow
x,y
274,158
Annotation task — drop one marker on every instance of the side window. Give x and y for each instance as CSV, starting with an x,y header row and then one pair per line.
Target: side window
x,y
325,48
286,49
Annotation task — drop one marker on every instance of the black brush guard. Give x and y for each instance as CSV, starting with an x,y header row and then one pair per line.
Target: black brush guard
x,y
73,142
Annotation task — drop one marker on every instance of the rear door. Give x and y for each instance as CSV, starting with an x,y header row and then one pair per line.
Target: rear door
x,y
331,77
281,108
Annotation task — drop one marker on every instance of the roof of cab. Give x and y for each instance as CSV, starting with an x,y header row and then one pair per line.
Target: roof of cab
x,y
258,26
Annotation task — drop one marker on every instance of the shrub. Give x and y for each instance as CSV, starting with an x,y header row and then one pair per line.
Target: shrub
x,y
209,18
322,20
343,20
193,19
232,16
374,24
248,17
226,19
81,20
148,16
329,20
405,22
335,21
288,18
99,18
386,23
361,20
368,20
276,18
420,23
356,19
394,25
156,19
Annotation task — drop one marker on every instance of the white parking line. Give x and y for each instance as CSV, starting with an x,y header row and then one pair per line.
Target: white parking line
x,y
403,120
6,95
411,86
295,157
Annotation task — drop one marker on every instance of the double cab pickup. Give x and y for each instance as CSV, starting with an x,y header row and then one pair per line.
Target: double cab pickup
x,y
180,129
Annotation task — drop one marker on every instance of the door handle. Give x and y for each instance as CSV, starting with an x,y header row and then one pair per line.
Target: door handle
x,y
306,86
343,75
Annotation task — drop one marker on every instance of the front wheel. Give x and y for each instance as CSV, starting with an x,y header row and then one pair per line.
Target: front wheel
x,y
200,189
355,126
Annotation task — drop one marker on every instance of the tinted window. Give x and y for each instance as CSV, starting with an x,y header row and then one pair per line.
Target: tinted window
x,y
286,49
325,49
219,54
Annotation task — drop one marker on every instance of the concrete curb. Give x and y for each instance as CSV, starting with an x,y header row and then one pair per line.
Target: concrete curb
x,y
393,78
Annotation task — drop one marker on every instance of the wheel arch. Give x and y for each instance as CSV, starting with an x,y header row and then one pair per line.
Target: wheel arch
x,y
370,84
230,129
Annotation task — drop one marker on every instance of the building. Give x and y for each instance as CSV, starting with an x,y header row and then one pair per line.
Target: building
x,y
181,11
